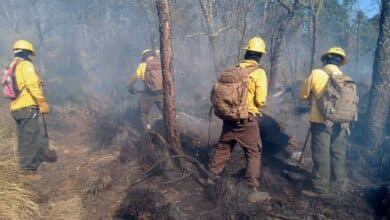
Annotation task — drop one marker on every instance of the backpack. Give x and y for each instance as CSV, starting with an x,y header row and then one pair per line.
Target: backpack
x,y
229,93
8,81
153,75
339,101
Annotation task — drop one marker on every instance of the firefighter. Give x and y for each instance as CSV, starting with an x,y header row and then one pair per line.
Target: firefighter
x,y
245,132
25,108
327,138
149,70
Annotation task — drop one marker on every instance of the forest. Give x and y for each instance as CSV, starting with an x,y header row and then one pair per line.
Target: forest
x,y
107,168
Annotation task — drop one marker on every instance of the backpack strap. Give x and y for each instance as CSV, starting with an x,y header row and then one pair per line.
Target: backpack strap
x,y
249,69
14,64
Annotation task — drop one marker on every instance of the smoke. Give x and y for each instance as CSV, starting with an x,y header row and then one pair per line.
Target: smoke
x,y
90,48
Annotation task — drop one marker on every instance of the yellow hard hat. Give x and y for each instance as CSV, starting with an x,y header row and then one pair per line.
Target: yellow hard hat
x,y
23,45
146,51
338,51
256,44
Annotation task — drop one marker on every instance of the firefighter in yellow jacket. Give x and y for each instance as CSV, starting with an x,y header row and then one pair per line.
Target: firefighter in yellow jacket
x,y
25,109
246,132
149,71
327,138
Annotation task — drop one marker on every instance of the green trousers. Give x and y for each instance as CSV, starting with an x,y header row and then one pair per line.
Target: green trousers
x,y
328,153
32,144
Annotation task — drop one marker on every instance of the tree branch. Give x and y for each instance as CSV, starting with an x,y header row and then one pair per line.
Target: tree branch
x,y
220,31
284,6
196,34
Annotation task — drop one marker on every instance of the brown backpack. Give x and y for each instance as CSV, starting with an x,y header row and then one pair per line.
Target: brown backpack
x,y
153,75
339,101
229,93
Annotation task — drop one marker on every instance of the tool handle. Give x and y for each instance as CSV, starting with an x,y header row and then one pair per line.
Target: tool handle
x,y
304,145
45,125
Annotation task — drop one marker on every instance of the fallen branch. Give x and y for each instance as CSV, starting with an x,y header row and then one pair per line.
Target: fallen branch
x,y
179,179
191,159
281,216
178,210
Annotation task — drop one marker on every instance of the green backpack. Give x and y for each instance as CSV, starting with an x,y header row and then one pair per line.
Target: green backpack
x,y
339,100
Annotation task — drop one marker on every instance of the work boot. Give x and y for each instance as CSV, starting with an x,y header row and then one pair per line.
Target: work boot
x,y
256,196
50,156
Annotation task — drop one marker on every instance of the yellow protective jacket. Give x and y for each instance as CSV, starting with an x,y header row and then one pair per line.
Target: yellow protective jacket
x,y
314,85
27,78
257,90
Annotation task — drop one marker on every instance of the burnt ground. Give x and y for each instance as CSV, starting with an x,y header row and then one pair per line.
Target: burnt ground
x,y
92,180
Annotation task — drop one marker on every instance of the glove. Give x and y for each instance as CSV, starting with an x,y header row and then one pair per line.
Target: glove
x,y
131,90
329,123
44,107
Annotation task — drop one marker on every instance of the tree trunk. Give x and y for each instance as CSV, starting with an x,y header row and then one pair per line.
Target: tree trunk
x,y
380,93
276,47
172,134
359,18
315,10
276,53
314,38
207,10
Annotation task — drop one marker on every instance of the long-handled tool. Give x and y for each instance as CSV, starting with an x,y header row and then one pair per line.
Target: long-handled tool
x,y
304,145
45,125
51,155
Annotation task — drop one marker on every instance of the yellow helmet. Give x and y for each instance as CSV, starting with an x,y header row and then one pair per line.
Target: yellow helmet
x,y
146,51
256,44
24,45
338,51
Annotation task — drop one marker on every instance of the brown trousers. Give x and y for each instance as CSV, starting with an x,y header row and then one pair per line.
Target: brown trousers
x,y
146,102
246,133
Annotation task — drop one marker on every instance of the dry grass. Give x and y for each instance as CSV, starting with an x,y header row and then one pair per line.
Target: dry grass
x,y
17,200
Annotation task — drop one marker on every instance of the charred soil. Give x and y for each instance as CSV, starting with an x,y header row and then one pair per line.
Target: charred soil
x,y
115,182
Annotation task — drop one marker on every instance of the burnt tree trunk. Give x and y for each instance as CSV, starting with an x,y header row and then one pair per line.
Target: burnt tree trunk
x,y
207,10
380,93
172,134
276,47
359,18
315,10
